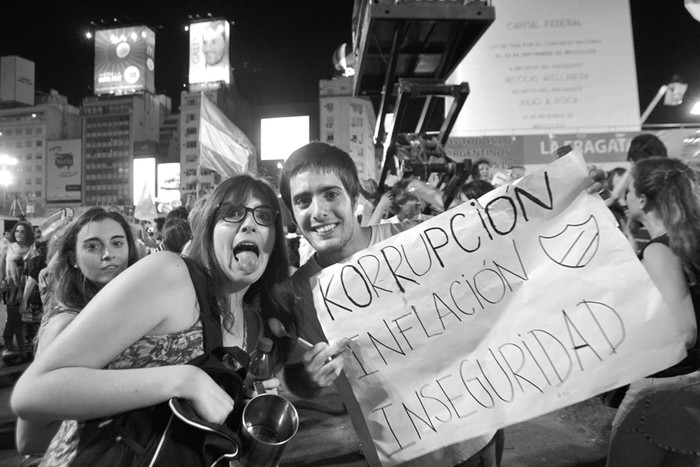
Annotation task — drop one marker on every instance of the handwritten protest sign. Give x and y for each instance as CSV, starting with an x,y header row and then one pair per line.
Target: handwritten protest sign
x,y
494,313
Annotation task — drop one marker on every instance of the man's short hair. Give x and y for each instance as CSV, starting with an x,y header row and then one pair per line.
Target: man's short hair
x,y
644,146
321,157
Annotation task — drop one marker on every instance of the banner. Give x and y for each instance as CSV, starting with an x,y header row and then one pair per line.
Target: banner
x,y
551,66
223,147
493,313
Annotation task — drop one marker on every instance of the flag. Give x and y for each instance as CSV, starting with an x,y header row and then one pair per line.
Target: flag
x,y
53,226
146,208
223,147
693,7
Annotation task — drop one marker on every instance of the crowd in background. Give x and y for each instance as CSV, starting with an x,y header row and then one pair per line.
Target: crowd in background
x,y
47,283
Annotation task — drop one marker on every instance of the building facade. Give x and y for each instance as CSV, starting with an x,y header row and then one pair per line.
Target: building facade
x,y
25,134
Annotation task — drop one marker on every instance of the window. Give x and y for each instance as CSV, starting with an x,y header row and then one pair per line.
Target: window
x,y
190,131
39,131
28,181
191,144
188,118
39,143
37,181
27,131
38,168
28,157
8,132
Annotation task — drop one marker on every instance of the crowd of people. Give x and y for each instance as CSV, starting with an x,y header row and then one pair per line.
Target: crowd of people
x,y
120,318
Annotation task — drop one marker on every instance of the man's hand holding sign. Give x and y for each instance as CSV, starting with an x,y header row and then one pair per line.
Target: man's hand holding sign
x,y
493,313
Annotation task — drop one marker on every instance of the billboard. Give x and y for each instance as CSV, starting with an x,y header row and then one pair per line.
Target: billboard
x,y
281,136
209,51
551,66
63,169
168,182
124,60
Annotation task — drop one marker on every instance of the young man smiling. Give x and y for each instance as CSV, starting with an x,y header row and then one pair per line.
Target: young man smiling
x,y
320,186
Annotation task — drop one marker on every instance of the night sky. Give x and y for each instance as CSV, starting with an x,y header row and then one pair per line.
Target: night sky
x,y
281,49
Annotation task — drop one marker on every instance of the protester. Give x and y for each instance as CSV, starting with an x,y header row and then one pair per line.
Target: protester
x,y
176,233
482,170
319,184
474,189
658,422
12,279
407,205
31,307
94,249
617,205
239,240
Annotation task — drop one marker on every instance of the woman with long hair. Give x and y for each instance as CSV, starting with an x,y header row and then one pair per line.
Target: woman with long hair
x,y
12,279
658,422
94,249
146,322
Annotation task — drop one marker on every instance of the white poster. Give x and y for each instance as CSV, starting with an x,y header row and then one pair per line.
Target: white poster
x,y
544,66
493,313
63,167
209,51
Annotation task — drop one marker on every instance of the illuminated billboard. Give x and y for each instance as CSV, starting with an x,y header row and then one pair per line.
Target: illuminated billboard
x,y
168,182
209,51
63,166
124,60
281,136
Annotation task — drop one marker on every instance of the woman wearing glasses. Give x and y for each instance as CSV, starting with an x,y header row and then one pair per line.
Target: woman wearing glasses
x,y
152,306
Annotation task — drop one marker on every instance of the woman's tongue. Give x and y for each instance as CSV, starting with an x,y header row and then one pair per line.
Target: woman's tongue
x,y
248,261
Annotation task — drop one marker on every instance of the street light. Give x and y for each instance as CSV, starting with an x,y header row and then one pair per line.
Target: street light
x,y
673,92
6,178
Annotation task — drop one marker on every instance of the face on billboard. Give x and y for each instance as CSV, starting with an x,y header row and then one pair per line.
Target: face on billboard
x,y
124,60
209,57
214,44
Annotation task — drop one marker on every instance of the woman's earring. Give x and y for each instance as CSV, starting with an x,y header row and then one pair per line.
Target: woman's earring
x,y
75,266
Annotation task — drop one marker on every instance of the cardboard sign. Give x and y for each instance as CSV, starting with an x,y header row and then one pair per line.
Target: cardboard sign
x,y
493,313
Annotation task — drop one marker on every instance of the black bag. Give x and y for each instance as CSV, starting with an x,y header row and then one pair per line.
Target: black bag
x,y
171,433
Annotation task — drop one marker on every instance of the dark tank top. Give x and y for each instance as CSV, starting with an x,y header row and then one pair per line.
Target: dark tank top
x,y
692,361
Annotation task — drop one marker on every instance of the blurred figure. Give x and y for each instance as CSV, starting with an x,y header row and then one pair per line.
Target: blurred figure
x,y
367,201
176,234
292,239
617,206
482,170
644,146
474,190
12,279
517,172
181,212
407,206
31,308
658,422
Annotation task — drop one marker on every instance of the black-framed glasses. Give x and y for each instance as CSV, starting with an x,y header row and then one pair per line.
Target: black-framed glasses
x,y
263,215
